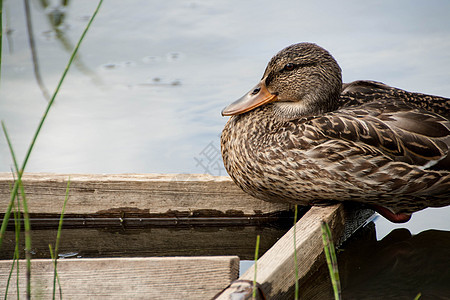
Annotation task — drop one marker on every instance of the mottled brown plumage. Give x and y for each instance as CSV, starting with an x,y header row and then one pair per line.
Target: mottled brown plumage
x,y
303,137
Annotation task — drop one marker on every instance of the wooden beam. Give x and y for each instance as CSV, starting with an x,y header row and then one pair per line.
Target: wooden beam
x,y
138,195
125,278
276,269
159,241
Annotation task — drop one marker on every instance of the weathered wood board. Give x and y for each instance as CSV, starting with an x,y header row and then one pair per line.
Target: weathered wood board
x,y
138,195
146,242
174,197
276,269
125,278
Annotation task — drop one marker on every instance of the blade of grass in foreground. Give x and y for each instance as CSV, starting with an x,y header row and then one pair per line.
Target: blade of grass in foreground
x,y
18,229
16,255
56,277
10,275
256,266
58,237
25,214
33,141
295,253
16,250
330,255
18,183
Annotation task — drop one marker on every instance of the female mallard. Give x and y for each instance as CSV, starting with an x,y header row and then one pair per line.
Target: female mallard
x,y
303,137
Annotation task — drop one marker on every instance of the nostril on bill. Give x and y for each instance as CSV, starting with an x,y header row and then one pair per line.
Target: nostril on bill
x,y
256,91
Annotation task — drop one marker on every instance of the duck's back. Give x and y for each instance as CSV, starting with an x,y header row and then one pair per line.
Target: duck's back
x,y
364,91
413,123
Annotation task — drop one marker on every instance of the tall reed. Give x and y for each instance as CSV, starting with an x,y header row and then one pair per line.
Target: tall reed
x,y
58,238
41,123
295,253
16,256
18,185
256,266
330,255
25,214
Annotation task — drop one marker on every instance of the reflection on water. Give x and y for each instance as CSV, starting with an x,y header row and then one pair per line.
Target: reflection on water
x,y
399,266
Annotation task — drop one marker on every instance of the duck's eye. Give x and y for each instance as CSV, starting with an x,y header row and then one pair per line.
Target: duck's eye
x,y
289,67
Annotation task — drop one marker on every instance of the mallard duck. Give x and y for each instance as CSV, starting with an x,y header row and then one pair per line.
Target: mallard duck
x,y
302,136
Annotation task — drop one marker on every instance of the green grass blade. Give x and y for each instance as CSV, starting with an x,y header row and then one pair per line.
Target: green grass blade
x,y
16,249
54,257
17,252
330,256
295,253
41,123
18,183
13,156
58,237
25,213
9,276
27,239
256,266
63,76
418,296
11,202
17,227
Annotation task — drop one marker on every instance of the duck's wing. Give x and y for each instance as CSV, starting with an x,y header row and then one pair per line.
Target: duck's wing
x,y
394,129
365,91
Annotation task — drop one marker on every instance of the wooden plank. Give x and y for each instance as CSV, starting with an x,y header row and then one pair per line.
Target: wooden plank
x,y
126,278
159,241
276,269
142,195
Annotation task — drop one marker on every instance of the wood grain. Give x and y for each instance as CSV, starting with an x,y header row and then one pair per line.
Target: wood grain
x,y
126,278
146,242
137,195
276,269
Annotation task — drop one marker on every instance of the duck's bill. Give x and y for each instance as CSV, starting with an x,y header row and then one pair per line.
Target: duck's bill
x,y
257,96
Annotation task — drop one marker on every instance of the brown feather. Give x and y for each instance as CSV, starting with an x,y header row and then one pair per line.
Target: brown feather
x,y
372,143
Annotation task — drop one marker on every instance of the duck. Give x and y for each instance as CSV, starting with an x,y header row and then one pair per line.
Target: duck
x,y
302,136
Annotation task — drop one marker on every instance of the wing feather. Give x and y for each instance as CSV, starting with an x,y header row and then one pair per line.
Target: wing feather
x,y
399,131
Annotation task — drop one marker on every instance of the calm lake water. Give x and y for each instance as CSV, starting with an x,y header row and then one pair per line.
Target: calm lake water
x,y
146,92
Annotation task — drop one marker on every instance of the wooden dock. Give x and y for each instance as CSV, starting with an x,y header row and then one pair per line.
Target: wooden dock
x,y
153,199
170,204
276,268
126,278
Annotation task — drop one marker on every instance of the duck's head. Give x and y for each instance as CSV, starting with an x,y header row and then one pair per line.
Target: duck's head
x,y
302,79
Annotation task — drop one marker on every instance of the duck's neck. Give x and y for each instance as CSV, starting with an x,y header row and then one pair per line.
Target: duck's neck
x,y
292,110
304,108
